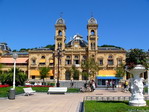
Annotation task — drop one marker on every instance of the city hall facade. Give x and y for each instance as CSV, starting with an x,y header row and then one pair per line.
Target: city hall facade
x,y
74,52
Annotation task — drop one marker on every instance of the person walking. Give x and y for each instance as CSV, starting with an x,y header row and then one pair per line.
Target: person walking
x,y
71,84
113,84
93,85
107,84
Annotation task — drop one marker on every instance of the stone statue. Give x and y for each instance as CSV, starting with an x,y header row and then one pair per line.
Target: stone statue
x,y
136,86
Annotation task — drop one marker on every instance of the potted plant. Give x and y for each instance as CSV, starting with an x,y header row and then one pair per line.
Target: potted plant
x,y
136,63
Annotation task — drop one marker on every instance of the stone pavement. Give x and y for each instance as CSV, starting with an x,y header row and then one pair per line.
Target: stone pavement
x,y
41,102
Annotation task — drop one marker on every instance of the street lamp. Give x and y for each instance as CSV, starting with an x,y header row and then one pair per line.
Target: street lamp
x,y
58,55
15,56
148,76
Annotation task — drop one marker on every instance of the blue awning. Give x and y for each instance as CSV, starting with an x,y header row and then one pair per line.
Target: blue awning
x,y
110,77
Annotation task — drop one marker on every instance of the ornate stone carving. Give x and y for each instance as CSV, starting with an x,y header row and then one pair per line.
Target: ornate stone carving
x,y
137,98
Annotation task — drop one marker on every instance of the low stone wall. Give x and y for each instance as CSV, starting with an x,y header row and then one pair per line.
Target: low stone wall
x,y
76,84
110,98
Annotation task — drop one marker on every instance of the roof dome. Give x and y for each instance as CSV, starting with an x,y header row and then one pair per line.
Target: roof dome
x,y
92,21
79,39
60,21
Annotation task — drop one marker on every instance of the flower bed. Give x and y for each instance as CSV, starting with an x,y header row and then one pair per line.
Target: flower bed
x,y
4,86
38,86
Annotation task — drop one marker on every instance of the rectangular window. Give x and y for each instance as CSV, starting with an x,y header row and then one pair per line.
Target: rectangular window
x,y
101,62
119,62
50,64
42,63
68,62
76,62
110,62
33,62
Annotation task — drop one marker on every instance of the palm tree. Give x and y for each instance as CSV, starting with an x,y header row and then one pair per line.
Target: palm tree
x,y
44,72
1,68
91,67
8,77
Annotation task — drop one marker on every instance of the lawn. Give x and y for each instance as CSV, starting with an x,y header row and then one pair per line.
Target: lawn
x,y
19,90
112,106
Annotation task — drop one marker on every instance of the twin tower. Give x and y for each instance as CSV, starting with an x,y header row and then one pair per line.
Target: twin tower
x,y
60,34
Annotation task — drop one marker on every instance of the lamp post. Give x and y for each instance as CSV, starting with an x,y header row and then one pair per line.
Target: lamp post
x,y
148,80
15,56
58,56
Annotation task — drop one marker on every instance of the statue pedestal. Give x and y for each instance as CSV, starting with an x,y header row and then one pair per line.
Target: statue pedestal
x,y
137,98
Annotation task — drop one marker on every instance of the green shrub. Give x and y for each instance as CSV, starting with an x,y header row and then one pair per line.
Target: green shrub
x,y
73,90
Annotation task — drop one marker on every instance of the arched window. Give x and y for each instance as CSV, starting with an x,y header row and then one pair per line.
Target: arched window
x,y
110,56
100,61
59,33
42,57
42,61
92,32
93,56
91,45
68,57
33,60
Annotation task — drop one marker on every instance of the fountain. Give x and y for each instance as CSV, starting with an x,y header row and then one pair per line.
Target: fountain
x,y
137,98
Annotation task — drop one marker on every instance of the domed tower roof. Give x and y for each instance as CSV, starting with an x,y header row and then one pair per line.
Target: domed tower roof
x,y
60,21
92,20
79,39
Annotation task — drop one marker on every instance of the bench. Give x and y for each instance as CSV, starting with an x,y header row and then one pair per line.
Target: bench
x,y
28,91
57,90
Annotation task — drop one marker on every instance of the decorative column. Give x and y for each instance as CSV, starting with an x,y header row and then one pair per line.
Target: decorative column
x,y
137,98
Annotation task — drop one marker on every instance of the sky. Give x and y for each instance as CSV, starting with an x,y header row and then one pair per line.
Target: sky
x,y
30,23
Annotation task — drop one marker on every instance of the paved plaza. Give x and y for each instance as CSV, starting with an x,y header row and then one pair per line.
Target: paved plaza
x,y
41,102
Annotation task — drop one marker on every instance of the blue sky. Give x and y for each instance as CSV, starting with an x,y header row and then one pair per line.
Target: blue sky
x,y
30,23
